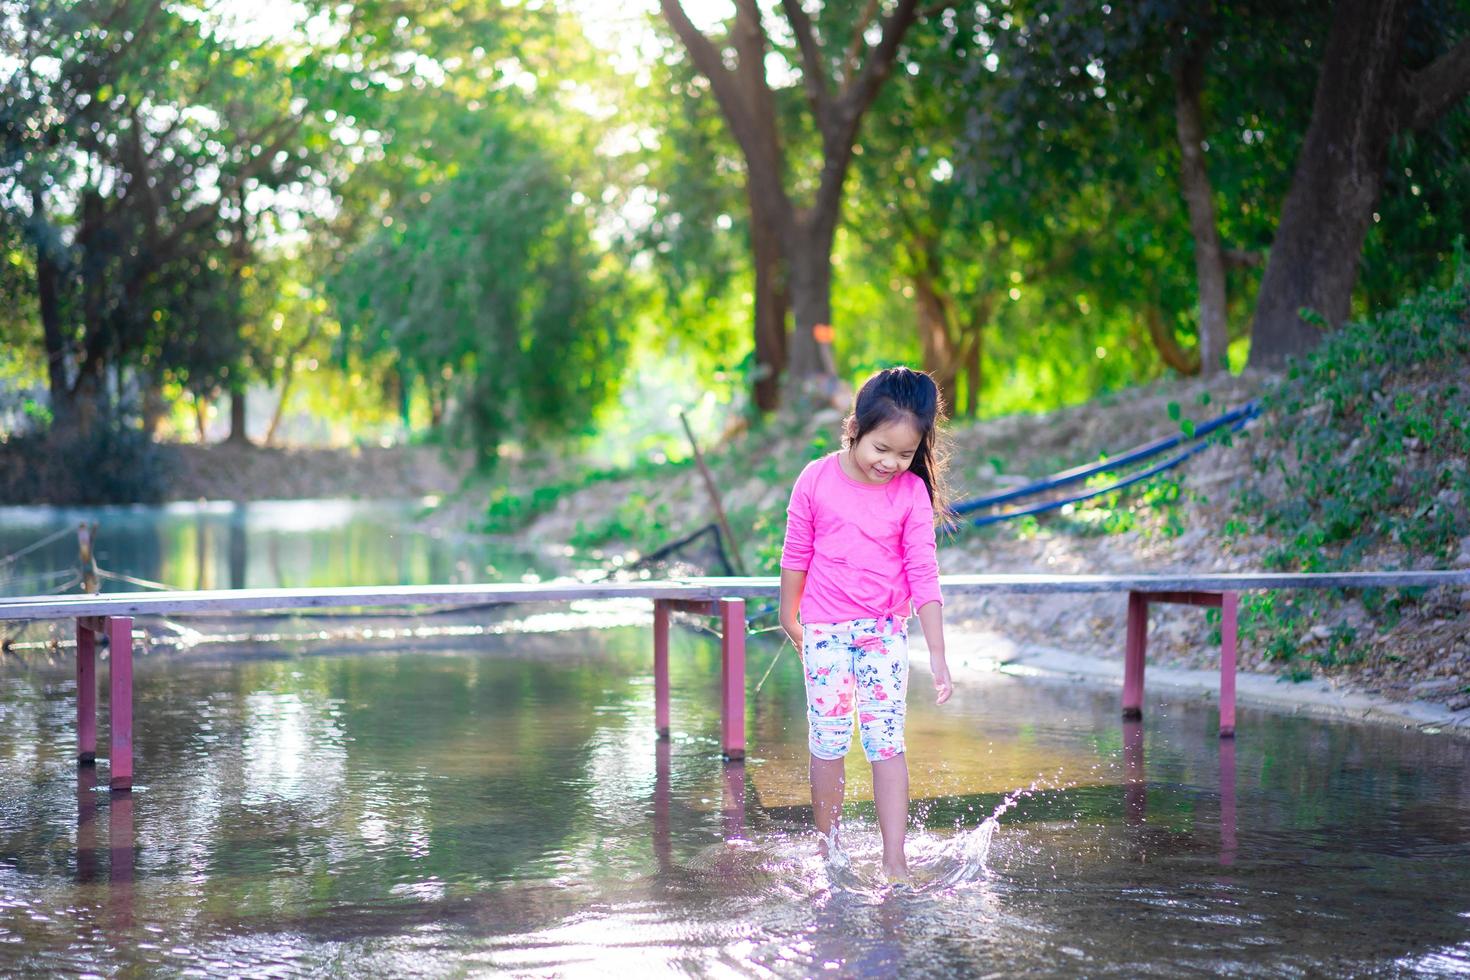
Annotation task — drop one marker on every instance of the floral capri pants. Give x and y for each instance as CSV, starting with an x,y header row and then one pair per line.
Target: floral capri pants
x,y
861,664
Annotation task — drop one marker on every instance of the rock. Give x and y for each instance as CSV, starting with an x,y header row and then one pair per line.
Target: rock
x,y
1433,686
1460,703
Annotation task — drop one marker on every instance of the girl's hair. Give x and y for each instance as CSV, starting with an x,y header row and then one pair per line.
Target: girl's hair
x,y
900,394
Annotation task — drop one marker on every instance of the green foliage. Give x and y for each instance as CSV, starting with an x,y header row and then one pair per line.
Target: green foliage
x,y
511,509
1368,440
1151,507
631,521
488,289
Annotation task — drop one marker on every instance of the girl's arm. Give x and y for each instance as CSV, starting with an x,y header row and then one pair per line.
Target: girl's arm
x,y
931,618
793,583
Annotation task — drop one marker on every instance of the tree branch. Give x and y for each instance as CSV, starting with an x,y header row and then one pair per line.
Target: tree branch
x,y
859,93
708,62
849,60
813,73
745,101
1431,91
1244,258
1183,361
839,125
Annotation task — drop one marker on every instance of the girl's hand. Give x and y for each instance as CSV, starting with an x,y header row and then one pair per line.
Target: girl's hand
x,y
943,686
793,633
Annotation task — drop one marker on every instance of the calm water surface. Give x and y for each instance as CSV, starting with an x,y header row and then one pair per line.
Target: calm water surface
x,y
263,544
503,807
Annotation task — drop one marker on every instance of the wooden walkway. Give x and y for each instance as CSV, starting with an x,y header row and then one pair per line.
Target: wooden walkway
x,y
112,614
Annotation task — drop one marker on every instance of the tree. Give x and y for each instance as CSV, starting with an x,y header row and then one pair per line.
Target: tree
x,y
489,285
1373,87
129,128
792,242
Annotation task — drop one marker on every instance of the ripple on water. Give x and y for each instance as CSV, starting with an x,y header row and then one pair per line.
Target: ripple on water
x,y
507,809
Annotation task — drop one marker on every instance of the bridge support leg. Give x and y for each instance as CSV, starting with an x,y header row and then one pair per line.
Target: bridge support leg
x,y
732,676
1229,614
120,644
1133,655
1137,645
86,694
661,668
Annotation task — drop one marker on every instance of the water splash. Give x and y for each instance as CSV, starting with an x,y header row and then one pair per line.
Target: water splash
x,y
836,855
967,852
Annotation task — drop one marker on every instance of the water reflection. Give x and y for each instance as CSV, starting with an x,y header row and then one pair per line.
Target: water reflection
x,y
120,850
1135,787
506,807
262,544
86,824
1227,802
117,884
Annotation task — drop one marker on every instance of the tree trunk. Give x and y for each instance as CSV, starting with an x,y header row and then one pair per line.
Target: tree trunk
x,y
805,234
1194,184
1313,263
238,436
932,317
288,375
974,345
154,406
48,294
810,359
770,313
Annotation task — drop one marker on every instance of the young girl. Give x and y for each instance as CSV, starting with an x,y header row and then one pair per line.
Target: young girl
x,y
859,552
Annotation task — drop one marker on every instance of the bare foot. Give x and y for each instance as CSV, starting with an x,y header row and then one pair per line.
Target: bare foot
x,y
897,874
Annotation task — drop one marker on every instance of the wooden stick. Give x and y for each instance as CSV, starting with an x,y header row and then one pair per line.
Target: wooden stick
x,y
714,495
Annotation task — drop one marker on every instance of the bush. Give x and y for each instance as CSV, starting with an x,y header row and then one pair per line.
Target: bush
x,y
1368,438
109,465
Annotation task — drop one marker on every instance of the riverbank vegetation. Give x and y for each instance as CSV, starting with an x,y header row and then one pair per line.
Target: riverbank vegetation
x,y
514,226
1358,460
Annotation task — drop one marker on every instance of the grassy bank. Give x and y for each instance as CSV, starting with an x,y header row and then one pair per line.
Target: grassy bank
x,y
1358,461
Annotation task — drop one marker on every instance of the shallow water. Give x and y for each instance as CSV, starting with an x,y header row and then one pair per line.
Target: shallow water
x,y
505,808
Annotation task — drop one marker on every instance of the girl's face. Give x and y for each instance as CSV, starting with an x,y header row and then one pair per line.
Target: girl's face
x,y
885,451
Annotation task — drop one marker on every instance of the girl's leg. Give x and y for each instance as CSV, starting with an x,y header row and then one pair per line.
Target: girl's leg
x,y
829,779
891,797
827,661
882,674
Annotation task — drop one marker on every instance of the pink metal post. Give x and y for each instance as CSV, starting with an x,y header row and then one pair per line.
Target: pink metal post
x,y
1229,608
1133,654
120,707
661,668
732,676
86,694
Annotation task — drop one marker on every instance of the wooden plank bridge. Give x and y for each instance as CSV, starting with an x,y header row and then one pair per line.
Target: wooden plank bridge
x,y
112,615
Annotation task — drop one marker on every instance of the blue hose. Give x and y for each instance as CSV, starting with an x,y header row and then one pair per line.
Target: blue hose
x,y
1236,420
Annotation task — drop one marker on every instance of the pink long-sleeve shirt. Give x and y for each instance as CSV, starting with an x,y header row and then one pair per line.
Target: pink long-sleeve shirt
x,y
868,550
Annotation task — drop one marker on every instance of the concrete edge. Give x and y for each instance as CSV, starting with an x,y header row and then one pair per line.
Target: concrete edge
x,y
982,653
